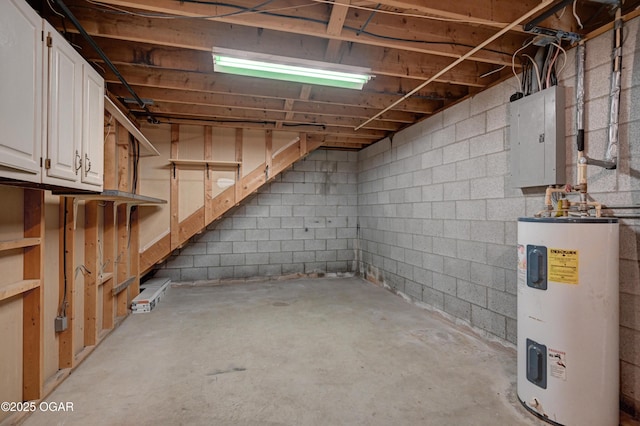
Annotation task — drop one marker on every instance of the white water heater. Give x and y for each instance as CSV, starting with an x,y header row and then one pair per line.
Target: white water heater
x,y
568,319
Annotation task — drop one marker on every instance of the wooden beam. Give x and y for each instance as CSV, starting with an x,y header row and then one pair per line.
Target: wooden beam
x,y
268,146
122,147
110,160
109,260
239,138
134,255
91,278
67,282
18,244
208,178
175,189
158,251
122,263
33,299
17,288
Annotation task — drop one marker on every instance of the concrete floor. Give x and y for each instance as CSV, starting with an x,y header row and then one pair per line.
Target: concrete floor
x,y
300,352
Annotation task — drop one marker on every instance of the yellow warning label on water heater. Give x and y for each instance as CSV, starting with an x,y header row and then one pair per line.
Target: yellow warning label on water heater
x,y
563,266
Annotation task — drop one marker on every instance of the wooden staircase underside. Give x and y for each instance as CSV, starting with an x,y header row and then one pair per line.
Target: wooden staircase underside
x,y
215,207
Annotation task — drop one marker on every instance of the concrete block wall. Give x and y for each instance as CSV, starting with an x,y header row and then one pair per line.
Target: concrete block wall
x,y
302,222
438,214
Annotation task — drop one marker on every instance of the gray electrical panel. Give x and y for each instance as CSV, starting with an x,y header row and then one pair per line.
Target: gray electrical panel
x,y
537,136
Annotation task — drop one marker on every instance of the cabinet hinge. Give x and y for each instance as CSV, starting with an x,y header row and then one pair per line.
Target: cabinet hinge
x,y
49,41
47,163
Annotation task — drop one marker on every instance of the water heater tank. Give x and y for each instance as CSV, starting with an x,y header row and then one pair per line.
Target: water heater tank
x,y
568,319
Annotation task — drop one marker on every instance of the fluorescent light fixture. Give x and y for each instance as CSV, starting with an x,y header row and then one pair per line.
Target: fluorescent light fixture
x,y
289,69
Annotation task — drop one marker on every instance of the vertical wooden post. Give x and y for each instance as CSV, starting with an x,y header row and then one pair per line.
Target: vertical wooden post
x,y
134,249
110,181
109,250
123,159
268,142
67,248
90,280
175,199
304,150
208,178
33,300
239,137
122,259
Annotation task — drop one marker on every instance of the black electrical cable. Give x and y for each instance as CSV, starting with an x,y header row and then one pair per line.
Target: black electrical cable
x,y
104,57
63,304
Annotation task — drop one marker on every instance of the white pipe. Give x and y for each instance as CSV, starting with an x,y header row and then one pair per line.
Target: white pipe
x,y
462,58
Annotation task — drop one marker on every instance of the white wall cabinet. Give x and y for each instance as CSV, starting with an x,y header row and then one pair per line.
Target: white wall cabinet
x,y
21,109
65,98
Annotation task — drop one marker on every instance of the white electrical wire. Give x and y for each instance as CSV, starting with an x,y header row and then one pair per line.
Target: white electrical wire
x,y
575,14
564,57
55,11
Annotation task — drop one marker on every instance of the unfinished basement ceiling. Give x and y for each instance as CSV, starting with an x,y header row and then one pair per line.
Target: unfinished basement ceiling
x,y
163,50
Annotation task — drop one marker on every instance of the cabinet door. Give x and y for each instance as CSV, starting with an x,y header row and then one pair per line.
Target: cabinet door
x,y
93,127
21,91
64,111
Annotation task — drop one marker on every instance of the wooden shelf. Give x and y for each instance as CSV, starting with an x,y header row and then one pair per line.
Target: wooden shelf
x,y
18,288
124,120
214,165
20,243
113,195
106,276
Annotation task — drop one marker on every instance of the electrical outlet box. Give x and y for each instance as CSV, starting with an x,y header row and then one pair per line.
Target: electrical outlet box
x,y
537,136
61,324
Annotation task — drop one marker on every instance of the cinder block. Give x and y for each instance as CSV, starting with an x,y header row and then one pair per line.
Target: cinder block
x,y
282,257
173,274
193,274
326,233
488,276
487,143
472,293
457,229
472,209
268,246
315,245
490,98
257,234
177,262
310,268
472,126
303,234
293,176
269,199
444,136
422,243
292,268
405,270
257,211
502,303
326,256
338,266
269,270
422,276
502,255
433,262
231,259
304,188
194,249
293,245
472,250
456,113
488,231
443,210
293,222
433,192
433,297
304,256
268,222
413,289
413,257
497,118
432,158
444,283
444,173
245,247
281,211
245,271
217,273
337,222
489,321
281,188
444,246
512,331
456,307
471,169
256,258
280,234
456,190
232,235
508,209
488,187
315,222
206,260
455,152
219,248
